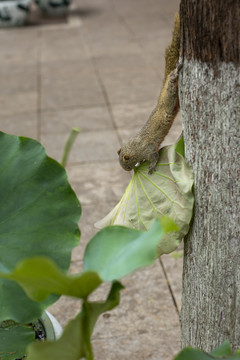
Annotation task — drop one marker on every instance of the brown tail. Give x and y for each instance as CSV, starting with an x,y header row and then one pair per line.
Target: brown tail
x,y
172,51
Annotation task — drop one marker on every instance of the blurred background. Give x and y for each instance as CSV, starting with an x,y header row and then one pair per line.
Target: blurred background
x,y
98,66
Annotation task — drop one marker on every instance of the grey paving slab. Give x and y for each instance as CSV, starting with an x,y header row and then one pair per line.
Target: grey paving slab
x,y
146,24
107,26
98,183
18,78
19,47
69,84
63,44
121,63
62,121
128,79
18,102
18,92
25,124
132,116
154,49
113,46
145,322
89,146
157,43
152,7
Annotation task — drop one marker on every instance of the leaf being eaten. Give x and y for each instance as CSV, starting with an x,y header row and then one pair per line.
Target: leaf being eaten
x,y
168,191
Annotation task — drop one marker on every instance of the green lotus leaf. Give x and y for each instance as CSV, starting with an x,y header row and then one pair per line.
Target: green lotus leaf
x,y
224,351
113,252
117,251
168,191
74,343
39,214
14,340
40,277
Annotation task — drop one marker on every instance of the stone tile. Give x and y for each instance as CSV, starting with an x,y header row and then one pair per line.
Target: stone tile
x,y
128,79
132,116
16,79
18,102
62,121
115,46
63,45
69,84
145,24
170,8
157,44
20,124
155,10
121,63
154,50
145,323
19,47
157,62
18,92
107,26
95,146
99,183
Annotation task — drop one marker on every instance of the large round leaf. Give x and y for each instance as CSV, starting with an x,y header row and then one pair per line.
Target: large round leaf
x,y
39,213
14,340
168,191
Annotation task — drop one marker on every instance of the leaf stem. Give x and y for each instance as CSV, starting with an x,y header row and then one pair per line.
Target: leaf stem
x,y
86,310
68,145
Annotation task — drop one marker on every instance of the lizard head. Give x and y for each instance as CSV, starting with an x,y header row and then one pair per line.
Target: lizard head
x,y
126,158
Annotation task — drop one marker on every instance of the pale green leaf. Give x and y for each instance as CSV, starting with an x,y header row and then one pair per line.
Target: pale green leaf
x,y
180,147
74,343
168,191
40,277
117,251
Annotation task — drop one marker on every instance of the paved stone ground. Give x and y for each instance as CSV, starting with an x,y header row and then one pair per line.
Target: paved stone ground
x,y
99,69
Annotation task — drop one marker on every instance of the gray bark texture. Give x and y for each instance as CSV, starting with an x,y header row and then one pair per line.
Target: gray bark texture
x,y
209,90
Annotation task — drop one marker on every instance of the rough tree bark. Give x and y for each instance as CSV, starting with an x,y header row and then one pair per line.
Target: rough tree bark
x,y
209,88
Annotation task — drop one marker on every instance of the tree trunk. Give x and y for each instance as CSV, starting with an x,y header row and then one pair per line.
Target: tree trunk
x,y
209,87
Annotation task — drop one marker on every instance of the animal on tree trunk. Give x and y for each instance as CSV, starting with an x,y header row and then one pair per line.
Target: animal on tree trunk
x,y
146,143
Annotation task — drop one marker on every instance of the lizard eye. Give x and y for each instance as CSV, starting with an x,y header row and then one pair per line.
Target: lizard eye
x,y
126,158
